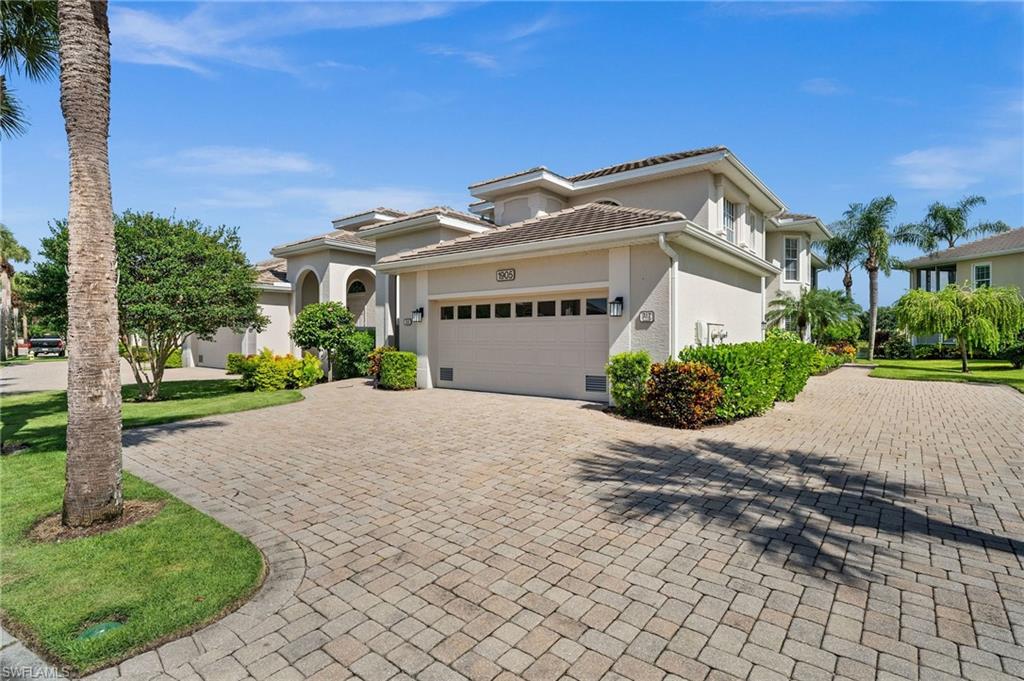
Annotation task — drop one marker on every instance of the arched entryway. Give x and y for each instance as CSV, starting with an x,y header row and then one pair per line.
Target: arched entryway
x,y
309,290
359,297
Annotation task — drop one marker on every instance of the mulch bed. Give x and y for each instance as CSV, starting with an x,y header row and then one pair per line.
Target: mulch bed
x,y
50,529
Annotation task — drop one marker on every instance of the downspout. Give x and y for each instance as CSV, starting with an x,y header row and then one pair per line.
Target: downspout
x,y
674,261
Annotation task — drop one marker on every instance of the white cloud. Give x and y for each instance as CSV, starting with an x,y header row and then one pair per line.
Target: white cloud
x,y
238,33
998,163
224,160
541,24
481,60
824,87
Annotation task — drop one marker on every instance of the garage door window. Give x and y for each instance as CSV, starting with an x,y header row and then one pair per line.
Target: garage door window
x,y
546,308
483,311
570,308
524,309
502,310
597,306
447,312
465,311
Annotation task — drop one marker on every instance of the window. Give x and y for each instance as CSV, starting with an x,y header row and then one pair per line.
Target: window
x,y
546,308
570,308
465,311
524,309
483,311
447,312
502,310
982,275
597,306
791,258
357,287
729,220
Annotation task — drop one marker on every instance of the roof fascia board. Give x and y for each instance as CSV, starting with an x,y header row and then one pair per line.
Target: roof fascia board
x,y
754,179
432,220
649,171
961,258
559,184
801,225
283,287
362,219
318,245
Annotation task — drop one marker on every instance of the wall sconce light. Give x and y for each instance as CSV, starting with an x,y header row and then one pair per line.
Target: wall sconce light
x,y
417,315
615,307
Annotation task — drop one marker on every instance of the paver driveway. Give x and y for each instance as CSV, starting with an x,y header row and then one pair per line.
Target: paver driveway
x,y
872,529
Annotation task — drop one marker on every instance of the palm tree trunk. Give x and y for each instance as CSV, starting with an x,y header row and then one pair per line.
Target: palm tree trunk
x,y
873,306
5,310
93,490
848,284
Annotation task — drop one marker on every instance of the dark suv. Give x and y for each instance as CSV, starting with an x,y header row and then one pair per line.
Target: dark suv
x,y
46,345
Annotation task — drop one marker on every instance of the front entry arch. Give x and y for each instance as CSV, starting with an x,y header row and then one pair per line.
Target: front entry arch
x,y
309,291
359,297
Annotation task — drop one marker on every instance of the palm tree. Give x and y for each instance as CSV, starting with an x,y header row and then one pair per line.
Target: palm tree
x,y
871,232
28,45
10,252
815,308
93,490
949,224
841,252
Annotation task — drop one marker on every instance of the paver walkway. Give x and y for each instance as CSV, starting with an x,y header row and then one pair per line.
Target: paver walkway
x,y
872,529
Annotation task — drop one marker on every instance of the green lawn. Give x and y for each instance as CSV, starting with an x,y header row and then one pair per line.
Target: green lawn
x,y
25,359
160,577
982,371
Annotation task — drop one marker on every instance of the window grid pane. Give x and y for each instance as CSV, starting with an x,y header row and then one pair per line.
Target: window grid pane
x,y
502,310
524,309
447,312
483,311
792,262
570,308
596,306
465,311
546,308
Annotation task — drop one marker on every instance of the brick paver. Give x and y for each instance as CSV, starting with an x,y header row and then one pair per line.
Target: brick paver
x,y
871,529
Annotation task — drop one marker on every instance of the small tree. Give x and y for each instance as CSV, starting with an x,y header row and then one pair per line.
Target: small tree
x,y
841,252
981,318
948,224
175,278
869,229
326,327
814,309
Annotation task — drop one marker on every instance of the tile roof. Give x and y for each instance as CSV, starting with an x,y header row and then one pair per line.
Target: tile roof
x,y
342,235
392,212
611,170
590,218
433,210
786,215
273,271
992,245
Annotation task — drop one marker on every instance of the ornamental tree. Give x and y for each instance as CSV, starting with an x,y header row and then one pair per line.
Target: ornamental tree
x,y
328,327
979,318
176,278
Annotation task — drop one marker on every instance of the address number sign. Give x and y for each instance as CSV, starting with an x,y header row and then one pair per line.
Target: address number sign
x,y
506,275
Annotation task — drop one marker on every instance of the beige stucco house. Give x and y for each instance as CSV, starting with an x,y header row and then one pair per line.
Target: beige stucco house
x,y
549,274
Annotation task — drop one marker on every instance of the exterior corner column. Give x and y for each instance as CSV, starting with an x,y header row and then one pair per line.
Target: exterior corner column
x,y
385,330
619,328
424,377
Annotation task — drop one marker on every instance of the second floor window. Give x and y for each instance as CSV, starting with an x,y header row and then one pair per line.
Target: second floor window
x,y
729,220
792,259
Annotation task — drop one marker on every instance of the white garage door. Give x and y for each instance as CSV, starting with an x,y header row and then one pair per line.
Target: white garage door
x,y
552,344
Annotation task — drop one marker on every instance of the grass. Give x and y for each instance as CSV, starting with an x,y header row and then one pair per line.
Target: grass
x,y
161,577
982,371
25,359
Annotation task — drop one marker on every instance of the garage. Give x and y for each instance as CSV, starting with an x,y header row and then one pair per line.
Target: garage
x,y
551,344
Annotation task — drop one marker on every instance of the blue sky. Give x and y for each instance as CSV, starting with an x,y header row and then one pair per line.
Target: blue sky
x,y
278,117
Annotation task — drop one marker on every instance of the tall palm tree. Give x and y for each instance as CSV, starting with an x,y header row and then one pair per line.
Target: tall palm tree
x,y
948,224
28,45
815,308
93,490
841,252
871,231
10,252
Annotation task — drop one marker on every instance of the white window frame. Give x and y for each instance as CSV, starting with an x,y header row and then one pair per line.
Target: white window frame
x,y
755,223
974,273
729,219
785,273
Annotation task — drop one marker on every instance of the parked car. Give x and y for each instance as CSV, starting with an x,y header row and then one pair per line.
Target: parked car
x,y
47,345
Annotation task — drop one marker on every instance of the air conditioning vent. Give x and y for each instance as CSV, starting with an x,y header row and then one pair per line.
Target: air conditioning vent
x,y
597,384
447,374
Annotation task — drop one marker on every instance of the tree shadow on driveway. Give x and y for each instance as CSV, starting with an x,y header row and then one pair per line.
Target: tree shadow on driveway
x,y
819,513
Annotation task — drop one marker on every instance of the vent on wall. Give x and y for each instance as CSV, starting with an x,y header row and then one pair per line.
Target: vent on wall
x,y
597,384
447,374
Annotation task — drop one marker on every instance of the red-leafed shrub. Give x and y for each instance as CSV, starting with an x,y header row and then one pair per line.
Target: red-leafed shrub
x,y
683,394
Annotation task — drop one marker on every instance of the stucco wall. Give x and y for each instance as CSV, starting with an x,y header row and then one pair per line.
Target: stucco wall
x,y
1007,270
276,306
389,245
688,194
774,244
713,292
567,270
649,289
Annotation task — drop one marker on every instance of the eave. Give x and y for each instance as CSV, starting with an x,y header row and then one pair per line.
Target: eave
x,y
320,244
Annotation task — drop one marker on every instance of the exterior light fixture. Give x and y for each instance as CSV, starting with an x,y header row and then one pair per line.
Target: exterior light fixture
x,y
417,315
615,307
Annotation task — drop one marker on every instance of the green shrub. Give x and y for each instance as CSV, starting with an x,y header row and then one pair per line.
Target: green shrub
x,y
824,361
267,372
796,357
374,359
141,353
848,351
750,374
236,361
627,380
398,370
847,330
937,351
353,355
682,394
897,346
1014,354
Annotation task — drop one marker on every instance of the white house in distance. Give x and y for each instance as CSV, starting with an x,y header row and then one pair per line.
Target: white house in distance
x,y
548,275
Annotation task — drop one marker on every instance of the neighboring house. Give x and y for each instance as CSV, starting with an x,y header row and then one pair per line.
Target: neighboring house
x,y
551,274
997,260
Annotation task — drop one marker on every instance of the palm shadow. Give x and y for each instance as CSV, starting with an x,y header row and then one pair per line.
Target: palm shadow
x,y
814,511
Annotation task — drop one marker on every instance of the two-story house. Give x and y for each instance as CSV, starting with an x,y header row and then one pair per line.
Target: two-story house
x,y
549,274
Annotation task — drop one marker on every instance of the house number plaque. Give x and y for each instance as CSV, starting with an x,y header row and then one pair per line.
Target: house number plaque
x,y
506,275
646,316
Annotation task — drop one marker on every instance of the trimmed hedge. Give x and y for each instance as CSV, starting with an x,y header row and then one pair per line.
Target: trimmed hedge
x,y
628,373
398,370
750,373
796,357
267,372
682,394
